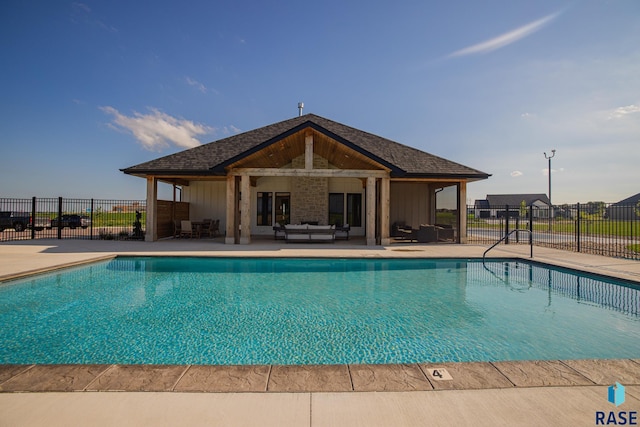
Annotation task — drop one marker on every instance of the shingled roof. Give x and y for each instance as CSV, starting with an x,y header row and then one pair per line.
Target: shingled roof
x,y
516,199
633,200
211,158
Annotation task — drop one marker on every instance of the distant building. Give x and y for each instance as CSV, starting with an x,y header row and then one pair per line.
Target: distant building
x,y
627,209
135,206
495,205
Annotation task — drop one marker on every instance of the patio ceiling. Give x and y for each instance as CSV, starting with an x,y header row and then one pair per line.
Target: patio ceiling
x,y
283,151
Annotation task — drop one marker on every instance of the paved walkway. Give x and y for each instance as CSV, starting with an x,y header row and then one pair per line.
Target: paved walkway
x,y
498,393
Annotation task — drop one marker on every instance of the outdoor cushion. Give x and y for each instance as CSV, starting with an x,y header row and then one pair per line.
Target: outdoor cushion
x,y
296,227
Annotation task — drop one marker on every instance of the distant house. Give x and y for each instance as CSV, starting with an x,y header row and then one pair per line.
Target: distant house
x,y
495,205
627,209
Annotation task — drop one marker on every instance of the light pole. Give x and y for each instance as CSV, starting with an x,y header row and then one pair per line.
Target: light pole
x,y
553,153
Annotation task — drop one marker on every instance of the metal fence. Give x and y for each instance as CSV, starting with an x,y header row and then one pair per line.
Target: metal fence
x,y
583,289
595,228
62,218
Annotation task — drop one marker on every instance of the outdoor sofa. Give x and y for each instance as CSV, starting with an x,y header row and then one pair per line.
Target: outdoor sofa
x,y
309,233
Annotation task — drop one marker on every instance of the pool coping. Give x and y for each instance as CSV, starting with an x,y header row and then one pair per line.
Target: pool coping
x,y
319,378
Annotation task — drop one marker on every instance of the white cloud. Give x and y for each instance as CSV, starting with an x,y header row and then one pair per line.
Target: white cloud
x,y
506,38
230,129
192,82
545,172
157,130
516,174
621,112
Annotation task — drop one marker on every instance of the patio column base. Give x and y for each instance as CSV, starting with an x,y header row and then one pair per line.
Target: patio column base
x,y
229,241
245,240
385,242
371,242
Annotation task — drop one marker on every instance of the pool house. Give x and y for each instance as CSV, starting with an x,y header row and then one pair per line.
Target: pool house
x,y
307,169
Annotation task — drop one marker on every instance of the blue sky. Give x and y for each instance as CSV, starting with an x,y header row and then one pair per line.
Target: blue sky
x,y
90,87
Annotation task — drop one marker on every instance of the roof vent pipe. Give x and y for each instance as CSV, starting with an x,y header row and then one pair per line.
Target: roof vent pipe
x,y
300,107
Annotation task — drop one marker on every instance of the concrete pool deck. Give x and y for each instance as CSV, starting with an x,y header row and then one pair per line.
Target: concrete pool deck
x,y
497,393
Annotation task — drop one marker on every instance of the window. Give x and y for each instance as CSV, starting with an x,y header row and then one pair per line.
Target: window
x,y
336,209
283,208
265,208
354,209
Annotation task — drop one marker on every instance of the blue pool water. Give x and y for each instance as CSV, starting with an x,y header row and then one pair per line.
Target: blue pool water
x,y
314,311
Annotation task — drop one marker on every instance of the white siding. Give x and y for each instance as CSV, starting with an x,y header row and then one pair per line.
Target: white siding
x,y
409,203
206,199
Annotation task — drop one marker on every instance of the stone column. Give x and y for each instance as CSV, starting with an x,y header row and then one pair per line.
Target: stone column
x,y
371,211
151,233
245,208
230,234
462,212
385,190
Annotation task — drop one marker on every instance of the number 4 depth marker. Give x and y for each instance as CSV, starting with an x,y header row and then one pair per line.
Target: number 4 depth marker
x,y
440,374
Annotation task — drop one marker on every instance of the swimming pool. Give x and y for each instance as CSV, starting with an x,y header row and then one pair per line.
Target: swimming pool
x,y
179,310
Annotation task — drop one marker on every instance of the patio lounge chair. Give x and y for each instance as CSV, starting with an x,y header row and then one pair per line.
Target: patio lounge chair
x,y
445,232
186,228
401,231
206,227
427,234
278,232
342,231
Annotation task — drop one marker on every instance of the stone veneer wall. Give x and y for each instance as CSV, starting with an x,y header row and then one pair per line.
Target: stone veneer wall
x,y
310,195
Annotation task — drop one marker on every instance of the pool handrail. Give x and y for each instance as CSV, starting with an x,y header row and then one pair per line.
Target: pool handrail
x,y
506,236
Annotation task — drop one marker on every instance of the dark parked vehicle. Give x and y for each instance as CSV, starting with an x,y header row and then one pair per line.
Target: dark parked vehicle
x,y
16,220
71,221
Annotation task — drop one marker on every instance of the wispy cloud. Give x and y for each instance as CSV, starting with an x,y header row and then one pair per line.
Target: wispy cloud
x,y
83,13
506,38
157,130
621,112
516,174
227,130
82,6
545,172
192,82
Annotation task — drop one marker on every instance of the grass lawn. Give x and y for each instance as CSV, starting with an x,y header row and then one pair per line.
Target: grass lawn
x,y
602,227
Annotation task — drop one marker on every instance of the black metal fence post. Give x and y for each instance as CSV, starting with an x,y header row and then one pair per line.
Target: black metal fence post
x,y
91,225
506,225
531,229
59,224
578,225
33,218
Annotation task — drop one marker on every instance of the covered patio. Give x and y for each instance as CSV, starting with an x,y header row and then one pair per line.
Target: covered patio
x,y
306,170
